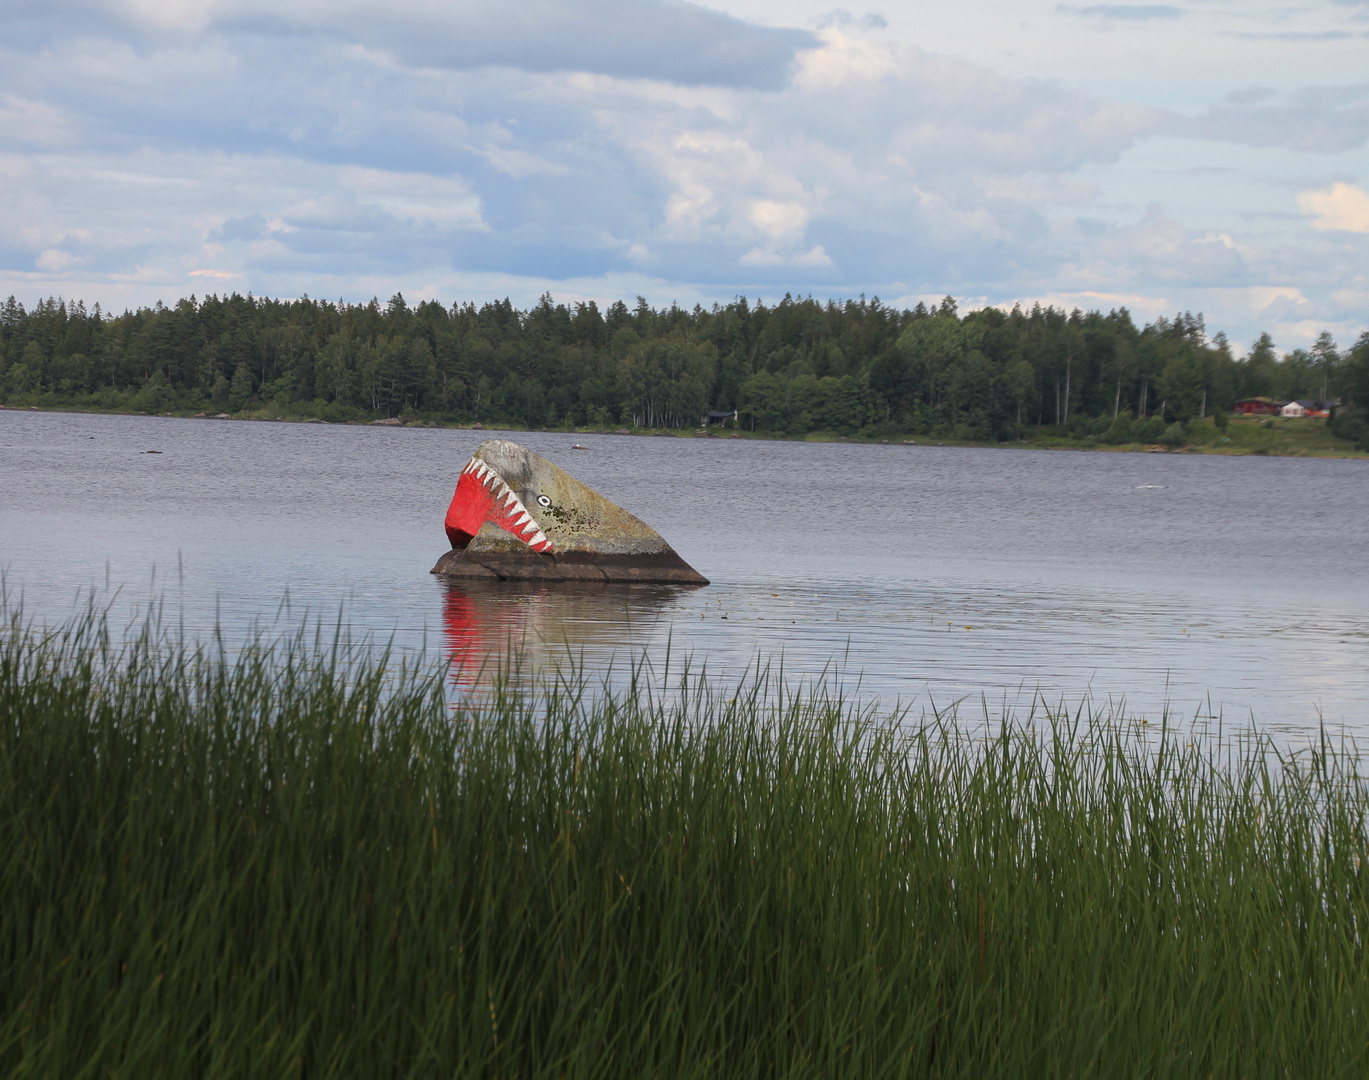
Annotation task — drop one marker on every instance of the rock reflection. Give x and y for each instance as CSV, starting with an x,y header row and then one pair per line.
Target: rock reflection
x,y
491,626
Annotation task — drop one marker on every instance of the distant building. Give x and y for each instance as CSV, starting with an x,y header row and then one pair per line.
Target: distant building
x,y
1307,408
719,418
1257,406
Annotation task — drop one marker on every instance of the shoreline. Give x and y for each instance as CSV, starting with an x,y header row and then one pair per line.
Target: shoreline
x,y
1305,447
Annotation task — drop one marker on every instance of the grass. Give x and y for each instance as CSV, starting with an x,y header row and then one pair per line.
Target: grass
x,y
1306,436
298,861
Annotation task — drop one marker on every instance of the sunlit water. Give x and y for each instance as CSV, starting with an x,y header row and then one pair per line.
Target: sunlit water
x,y
1223,586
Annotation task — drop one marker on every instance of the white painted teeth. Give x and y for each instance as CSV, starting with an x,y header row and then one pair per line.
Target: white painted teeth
x,y
523,525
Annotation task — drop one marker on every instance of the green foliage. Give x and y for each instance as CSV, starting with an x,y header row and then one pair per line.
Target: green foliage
x,y
1119,431
296,860
1148,431
156,394
1356,375
798,366
1178,385
1349,423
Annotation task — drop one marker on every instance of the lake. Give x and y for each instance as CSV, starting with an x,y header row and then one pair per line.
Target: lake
x,y
929,575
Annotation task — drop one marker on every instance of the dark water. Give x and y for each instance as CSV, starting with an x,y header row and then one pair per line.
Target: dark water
x,y
1230,585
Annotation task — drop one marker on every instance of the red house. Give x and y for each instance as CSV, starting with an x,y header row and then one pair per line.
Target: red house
x,y
1257,406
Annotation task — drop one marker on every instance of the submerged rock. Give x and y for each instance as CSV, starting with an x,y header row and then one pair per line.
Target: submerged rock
x,y
516,516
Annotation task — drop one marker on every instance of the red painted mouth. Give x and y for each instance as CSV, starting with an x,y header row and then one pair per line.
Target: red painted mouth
x,y
481,496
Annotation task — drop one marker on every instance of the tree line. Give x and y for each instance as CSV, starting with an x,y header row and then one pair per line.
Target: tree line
x,y
854,367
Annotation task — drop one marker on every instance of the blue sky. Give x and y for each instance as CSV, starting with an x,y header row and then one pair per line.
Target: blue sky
x,y
1205,155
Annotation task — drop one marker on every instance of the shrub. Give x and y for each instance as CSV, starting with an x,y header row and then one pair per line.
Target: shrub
x,y
1349,423
1173,435
1120,430
1149,430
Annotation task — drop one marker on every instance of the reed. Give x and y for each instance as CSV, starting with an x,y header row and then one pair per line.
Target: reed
x,y
296,860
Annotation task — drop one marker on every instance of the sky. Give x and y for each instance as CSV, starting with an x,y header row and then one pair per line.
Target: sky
x,y
1202,155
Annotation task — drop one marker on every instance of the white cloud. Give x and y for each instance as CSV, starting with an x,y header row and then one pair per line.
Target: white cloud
x,y
519,164
814,257
1341,207
845,59
413,197
36,124
781,221
53,261
761,257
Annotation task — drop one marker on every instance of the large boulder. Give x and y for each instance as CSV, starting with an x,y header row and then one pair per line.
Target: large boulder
x,y
516,516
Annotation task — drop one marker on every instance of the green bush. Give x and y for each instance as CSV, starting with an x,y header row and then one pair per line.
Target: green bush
x,y
1120,430
1349,423
155,396
1173,435
1149,430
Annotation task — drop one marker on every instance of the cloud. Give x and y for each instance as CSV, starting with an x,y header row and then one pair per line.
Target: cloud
x,y
1295,35
32,124
815,258
778,220
654,39
1341,208
53,261
1250,95
340,159
1325,119
871,20
1124,12
1160,250
672,40
928,156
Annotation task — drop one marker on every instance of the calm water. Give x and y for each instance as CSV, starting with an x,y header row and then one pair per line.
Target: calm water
x,y
1233,585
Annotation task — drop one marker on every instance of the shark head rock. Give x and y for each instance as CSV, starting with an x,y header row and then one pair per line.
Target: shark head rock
x,y
516,515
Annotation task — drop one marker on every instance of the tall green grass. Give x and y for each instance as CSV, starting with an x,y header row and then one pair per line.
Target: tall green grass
x,y
295,861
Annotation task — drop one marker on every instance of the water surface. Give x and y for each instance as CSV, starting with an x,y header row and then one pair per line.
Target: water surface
x,y
937,574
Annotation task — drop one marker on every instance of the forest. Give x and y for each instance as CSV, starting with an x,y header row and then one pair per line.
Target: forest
x,y
856,367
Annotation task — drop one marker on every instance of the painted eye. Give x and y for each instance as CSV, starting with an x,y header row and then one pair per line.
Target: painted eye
x,y
542,500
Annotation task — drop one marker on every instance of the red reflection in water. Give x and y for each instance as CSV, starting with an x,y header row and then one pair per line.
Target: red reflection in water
x,y
488,624
467,649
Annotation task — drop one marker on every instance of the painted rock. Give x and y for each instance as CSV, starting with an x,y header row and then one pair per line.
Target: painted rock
x,y
516,516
